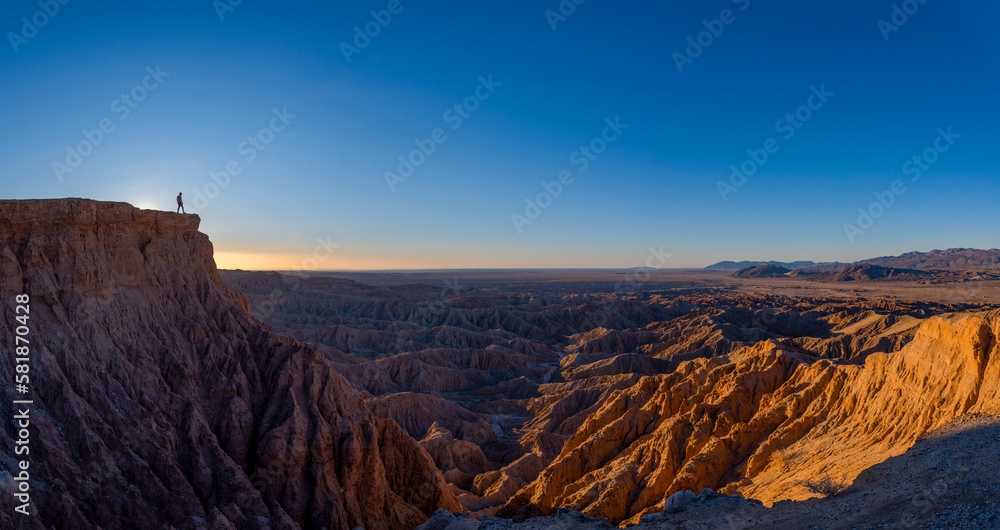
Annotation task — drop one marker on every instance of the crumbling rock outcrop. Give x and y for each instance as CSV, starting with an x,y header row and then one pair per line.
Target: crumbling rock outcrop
x,y
158,397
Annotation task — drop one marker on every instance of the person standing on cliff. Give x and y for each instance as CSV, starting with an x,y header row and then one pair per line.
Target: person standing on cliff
x,y
180,202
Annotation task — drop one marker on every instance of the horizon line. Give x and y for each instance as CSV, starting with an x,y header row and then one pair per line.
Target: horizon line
x,y
470,269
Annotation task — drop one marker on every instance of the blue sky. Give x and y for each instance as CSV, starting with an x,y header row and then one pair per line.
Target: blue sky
x,y
321,176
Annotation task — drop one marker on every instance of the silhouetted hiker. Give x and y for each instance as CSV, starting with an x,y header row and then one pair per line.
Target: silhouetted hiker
x,y
180,202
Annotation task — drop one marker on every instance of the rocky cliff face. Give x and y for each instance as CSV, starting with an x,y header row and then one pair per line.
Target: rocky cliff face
x,y
159,400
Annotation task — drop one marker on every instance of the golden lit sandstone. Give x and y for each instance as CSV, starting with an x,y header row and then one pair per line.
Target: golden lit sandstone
x,y
158,397
879,410
762,422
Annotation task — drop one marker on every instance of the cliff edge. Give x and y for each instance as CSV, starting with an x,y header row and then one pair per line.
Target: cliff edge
x,y
159,399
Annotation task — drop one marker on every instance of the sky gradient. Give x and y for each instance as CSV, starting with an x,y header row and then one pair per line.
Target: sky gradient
x,y
310,118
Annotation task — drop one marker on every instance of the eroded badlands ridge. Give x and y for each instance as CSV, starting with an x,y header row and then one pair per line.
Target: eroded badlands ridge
x,y
765,422
159,399
610,402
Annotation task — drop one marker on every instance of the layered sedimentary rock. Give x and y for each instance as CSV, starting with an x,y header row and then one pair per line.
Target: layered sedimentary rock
x,y
158,398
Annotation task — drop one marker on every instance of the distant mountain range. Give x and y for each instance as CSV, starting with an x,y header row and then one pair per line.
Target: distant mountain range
x,y
861,272
764,271
795,265
954,259
867,273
